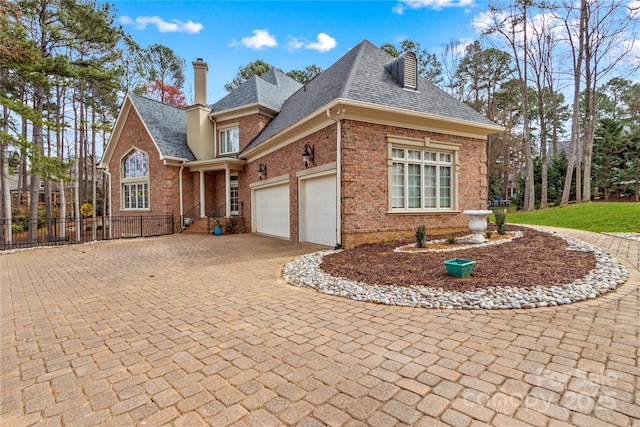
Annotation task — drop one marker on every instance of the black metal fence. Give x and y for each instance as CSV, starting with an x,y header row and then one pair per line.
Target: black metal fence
x,y
21,232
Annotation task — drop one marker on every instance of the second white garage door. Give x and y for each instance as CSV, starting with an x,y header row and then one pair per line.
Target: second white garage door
x,y
318,210
272,210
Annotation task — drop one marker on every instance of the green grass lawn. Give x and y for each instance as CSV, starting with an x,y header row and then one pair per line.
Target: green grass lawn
x,y
598,217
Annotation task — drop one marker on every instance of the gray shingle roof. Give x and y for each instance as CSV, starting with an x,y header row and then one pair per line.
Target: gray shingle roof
x,y
360,75
271,89
167,125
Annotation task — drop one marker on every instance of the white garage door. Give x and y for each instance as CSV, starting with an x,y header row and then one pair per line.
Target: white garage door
x,y
318,213
272,210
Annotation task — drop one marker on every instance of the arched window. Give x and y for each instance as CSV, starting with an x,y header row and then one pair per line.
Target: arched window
x,y
135,180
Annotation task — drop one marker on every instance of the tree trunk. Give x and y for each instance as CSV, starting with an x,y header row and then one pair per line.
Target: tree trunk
x,y
575,120
529,188
6,191
22,174
35,177
47,188
589,132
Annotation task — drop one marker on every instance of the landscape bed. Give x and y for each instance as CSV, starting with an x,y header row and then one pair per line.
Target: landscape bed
x,y
538,269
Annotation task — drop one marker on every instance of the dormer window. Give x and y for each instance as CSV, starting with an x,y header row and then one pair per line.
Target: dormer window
x,y
229,140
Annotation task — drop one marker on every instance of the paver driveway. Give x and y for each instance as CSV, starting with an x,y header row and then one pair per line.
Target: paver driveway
x,y
190,331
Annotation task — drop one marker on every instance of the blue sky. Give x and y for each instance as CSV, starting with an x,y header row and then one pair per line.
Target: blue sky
x,y
288,34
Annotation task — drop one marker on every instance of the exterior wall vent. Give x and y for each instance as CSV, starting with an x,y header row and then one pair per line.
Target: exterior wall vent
x,y
410,71
405,70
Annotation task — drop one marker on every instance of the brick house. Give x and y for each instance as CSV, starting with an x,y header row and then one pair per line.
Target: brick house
x,y
364,152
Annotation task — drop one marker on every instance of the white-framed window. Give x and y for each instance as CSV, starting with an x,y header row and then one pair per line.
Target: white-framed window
x,y
235,200
229,140
422,179
135,181
136,196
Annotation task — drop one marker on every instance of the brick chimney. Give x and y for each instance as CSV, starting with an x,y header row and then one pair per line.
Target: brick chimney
x,y
199,128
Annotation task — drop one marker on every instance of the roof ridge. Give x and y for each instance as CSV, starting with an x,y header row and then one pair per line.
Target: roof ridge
x,y
256,88
129,93
353,70
270,72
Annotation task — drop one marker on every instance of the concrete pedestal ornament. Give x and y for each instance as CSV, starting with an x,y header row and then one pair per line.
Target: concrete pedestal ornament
x,y
478,224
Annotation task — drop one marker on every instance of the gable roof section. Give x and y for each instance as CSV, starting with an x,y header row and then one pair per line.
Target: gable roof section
x,y
166,124
271,90
360,75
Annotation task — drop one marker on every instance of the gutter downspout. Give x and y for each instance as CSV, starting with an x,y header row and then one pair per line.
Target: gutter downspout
x,y
338,119
181,202
110,208
202,211
227,191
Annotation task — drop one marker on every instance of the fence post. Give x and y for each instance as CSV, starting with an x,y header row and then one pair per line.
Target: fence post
x,y
140,225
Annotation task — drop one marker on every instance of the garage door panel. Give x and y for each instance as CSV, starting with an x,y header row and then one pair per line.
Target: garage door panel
x,y
319,210
272,210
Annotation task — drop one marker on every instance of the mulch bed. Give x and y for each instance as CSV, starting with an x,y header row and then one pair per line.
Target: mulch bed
x,y
535,259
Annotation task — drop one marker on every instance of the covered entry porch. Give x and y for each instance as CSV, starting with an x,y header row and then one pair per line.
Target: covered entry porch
x,y
215,188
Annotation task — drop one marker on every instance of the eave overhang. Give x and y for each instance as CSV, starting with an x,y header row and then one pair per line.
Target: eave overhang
x,y
242,111
221,163
370,113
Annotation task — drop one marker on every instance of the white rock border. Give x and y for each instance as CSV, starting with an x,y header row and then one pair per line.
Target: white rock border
x,y
403,249
605,277
628,236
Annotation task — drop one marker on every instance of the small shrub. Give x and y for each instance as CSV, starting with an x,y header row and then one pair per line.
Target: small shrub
x,y
451,239
488,233
500,220
16,228
421,236
87,228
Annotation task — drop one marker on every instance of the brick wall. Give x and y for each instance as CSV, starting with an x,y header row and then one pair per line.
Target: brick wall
x,y
365,184
365,180
164,182
288,160
249,126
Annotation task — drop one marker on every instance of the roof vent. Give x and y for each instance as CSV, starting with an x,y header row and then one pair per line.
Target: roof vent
x,y
405,70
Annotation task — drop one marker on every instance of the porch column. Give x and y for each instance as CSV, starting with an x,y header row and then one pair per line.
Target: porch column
x,y
227,191
181,202
203,214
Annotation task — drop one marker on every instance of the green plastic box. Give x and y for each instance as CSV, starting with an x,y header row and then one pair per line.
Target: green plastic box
x,y
459,267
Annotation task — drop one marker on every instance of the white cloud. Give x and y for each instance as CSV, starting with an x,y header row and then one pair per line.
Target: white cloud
x,y
324,44
634,9
259,40
431,4
294,43
175,26
632,49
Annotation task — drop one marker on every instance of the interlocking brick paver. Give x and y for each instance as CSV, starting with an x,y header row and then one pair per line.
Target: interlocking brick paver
x,y
455,418
433,405
200,331
331,416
